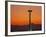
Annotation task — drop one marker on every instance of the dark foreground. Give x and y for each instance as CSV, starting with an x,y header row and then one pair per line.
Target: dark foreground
x,y
15,28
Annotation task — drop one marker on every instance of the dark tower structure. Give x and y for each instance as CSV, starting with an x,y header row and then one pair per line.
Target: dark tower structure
x,y
30,26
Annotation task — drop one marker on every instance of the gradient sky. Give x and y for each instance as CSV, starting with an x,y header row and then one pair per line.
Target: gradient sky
x,y
20,14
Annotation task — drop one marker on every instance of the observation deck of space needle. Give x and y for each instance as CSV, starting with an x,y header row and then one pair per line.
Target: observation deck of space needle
x,y
30,26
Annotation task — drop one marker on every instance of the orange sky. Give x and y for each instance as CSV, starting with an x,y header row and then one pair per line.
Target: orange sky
x,y
20,15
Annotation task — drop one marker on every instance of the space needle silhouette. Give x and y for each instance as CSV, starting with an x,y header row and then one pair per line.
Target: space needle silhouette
x,y
30,26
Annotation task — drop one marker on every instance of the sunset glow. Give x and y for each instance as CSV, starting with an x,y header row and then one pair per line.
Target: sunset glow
x,y
20,14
